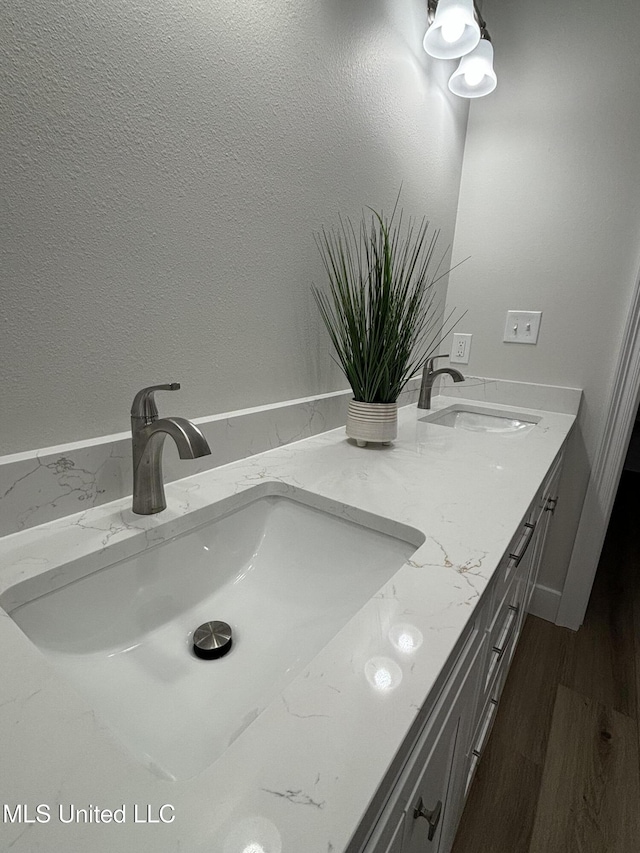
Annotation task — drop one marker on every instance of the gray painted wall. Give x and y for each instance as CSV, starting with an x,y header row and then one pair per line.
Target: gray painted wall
x,y
550,212
164,165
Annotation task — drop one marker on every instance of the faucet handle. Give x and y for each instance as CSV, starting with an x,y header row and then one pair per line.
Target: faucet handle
x,y
144,404
433,358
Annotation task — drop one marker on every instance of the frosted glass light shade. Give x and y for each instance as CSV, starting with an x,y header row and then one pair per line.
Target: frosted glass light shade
x,y
474,76
454,30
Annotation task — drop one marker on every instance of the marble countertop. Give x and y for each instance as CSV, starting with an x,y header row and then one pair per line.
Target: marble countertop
x,y
302,774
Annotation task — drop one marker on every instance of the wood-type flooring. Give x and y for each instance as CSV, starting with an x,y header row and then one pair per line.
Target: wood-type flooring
x,y
561,772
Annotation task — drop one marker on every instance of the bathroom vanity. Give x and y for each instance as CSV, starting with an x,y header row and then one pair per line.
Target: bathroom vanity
x,y
424,798
376,597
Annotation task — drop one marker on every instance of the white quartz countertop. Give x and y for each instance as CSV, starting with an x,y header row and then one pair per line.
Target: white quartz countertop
x,y
301,776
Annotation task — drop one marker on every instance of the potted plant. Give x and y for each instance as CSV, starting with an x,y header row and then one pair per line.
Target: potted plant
x,y
381,312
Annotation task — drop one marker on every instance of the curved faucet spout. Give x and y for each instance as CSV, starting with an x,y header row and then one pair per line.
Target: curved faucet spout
x,y
451,371
189,440
148,433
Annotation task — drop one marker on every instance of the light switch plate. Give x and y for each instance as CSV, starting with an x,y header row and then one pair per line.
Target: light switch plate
x,y
522,327
460,348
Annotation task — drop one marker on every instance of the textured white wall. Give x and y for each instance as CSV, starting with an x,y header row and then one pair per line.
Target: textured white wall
x,y
550,211
164,165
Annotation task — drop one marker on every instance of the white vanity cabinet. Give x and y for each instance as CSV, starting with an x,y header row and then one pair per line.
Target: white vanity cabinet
x,y
424,806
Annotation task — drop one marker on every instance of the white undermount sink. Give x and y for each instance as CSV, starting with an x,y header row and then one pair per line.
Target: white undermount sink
x,y
286,575
481,419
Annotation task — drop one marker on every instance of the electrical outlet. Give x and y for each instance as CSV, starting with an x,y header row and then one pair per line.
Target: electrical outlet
x,y
460,348
522,327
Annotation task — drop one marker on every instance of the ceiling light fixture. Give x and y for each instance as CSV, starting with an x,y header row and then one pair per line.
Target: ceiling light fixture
x,y
453,31
474,76
457,29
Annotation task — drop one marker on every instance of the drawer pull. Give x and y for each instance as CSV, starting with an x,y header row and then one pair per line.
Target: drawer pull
x,y
431,817
513,616
493,703
551,505
528,533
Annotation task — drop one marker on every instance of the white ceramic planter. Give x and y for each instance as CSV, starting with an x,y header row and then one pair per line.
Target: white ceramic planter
x,y
375,422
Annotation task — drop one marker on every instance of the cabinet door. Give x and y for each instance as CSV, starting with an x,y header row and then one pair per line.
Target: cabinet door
x,y
436,804
425,815
464,709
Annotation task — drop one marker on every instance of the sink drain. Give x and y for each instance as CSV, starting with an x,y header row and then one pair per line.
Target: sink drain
x,y
212,640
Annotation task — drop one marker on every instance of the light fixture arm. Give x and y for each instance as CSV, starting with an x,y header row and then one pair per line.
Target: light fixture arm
x,y
484,32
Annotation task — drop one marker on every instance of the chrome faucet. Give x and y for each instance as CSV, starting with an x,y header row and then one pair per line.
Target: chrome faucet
x,y
148,433
428,376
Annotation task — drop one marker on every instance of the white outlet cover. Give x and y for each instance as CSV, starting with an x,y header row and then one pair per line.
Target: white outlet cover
x,y
522,327
460,348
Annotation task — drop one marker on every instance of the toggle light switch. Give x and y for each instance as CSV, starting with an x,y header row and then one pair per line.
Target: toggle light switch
x,y
522,327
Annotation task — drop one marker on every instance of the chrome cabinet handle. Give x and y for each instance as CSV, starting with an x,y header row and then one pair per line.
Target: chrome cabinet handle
x,y
529,528
431,817
551,505
478,752
513,615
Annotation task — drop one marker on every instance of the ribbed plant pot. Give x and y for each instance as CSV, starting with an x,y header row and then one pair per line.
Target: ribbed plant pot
x,y
372,422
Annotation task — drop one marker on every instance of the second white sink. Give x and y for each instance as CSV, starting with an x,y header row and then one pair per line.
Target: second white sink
x,y
285,575
480,419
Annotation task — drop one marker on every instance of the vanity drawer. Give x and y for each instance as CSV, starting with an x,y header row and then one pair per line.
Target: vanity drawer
x,y
480,741
519,546
502,635
511,568
490,698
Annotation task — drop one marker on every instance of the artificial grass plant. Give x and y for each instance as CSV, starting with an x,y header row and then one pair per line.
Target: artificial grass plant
x,y
381,311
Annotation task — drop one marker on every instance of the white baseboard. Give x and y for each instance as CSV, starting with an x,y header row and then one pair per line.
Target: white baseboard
x,y
545,602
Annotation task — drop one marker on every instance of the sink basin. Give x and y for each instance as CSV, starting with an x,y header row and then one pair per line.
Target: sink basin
x,y
284,574
479,419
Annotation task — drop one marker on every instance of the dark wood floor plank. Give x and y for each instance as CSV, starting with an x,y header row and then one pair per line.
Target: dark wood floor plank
x,y
636,607
624,527
632,567
526,705
498,817
600,662
590,787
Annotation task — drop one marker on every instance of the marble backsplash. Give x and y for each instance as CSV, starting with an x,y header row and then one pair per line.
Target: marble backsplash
x,y
508,392
41,485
